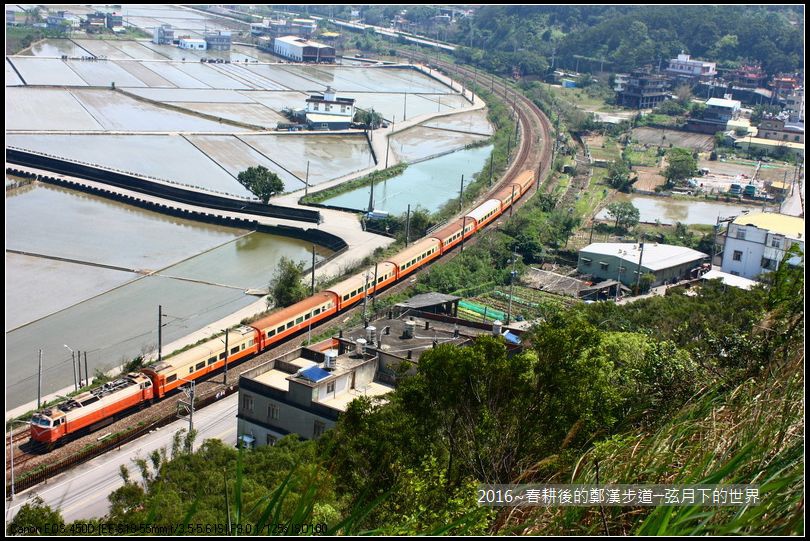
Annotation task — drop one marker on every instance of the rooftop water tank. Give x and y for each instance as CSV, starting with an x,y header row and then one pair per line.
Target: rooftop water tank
x,y
360,346
496,327
330,359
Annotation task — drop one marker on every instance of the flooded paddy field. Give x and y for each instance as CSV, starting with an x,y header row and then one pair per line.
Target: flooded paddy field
x,y
420,142
98,230
99,47
393,106
234,155
36,287
97,109
55,48
137,50
103,73
46,109
12,79
330,156
45,71
669,211
428,184
120,324
473,121
167,157
277,100
249,113
197,95
212,75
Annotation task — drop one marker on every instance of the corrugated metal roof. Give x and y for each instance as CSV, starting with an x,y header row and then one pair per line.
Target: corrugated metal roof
x,y
656,256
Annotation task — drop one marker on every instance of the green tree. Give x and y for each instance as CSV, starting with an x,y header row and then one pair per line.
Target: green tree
x,y
625,213
261,181
619,176
682,166
35,518
369,118
286,287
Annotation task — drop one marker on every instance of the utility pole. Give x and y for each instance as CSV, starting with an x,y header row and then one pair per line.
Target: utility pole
x,y
638,277
365,300
460,194
387,148
371,197
160,333
463,227
490,170
306,182
512,205
86,371
408,226
539,174
226,355
405,108
73,362
80,369
313,271
374,285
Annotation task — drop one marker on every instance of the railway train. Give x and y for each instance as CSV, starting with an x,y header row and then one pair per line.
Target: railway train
x,y
98,406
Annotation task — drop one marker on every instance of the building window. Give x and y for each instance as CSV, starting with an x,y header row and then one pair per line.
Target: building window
x,y
247,403
319,429
775,243
330,387
741,233
315,106
271,440
272,412
737,255
604,266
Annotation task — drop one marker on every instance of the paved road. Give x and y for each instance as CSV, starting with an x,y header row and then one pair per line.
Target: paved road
x,y
82,492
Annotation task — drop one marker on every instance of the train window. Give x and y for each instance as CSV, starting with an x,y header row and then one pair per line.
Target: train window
x,y
190,369
235,350
251,342
269,334
290,324
243,347
307,315
171,378
222,355
346,297
200,366
212,360
299,320
280,329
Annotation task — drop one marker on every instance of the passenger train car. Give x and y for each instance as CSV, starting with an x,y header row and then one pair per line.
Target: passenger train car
x,y
157,380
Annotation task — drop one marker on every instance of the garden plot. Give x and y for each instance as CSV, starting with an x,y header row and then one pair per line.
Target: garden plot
x,y
12,79
329,156
138,70
210,75
277,100
122,113
102,73
653,136
46,109
649,178
196,95
420,143
166,157
46,71
99,47
235,156
55,48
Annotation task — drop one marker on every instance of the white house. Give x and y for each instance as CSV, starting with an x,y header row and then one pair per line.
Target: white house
x,y
195,44
756,242
684,65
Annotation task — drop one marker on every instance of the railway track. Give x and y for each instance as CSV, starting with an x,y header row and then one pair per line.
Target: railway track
x,y
534,152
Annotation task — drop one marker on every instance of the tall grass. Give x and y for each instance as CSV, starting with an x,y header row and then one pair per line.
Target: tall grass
x,y
752,434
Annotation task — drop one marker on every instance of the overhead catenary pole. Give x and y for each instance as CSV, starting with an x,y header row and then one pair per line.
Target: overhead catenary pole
x,y
463,232
226,355
512,204
408,226
73,362
160,333
39,382
374,285
461,193
80,368
86,371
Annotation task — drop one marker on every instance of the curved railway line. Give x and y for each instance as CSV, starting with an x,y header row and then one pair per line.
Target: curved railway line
x,y
534,153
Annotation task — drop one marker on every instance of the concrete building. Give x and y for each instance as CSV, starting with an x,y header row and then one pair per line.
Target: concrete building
x,y
56,21
780,128
163,35
719,112
620,81
644,90
303,392
194,44
114,21
276,28
756,242
219,40
302,50
328,112
794,105
95,22
769,146
685,66
624,262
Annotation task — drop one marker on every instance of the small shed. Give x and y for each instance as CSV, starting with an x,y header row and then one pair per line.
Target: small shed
x,y
434,303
